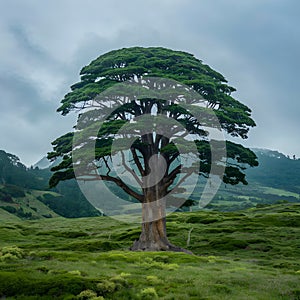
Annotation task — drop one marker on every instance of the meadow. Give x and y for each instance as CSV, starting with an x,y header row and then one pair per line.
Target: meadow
x,y
249,254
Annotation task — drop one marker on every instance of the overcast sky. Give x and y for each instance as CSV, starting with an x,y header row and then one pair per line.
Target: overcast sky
x,y
255,44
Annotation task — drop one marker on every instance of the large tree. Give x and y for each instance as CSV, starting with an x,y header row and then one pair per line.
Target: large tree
x,y
159,110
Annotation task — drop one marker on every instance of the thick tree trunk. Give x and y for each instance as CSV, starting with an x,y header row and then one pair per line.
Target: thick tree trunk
x,y
154,236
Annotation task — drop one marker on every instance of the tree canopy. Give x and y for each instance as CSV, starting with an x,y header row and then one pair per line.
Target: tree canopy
x,y
163,126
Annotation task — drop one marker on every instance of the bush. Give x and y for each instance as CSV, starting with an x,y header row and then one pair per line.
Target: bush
x,y
106,286
149,263
6,198
11,253
87,295
153,280
9,209
24,215
149,293
24,283
13,191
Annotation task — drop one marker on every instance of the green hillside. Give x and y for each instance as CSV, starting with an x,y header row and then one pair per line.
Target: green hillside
x,y
275,180
253,254
25,193
28,206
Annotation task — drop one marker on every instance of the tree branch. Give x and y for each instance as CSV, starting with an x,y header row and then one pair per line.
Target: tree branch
x,y
123,186
137,161
131,171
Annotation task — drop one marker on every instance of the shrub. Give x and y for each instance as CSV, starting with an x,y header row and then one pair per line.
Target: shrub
x,y
27,284
11,253
13,191
6,198
149,293
153,279
119,280
75,272
149,263
106,286
9,209
87,295
7,257
47,216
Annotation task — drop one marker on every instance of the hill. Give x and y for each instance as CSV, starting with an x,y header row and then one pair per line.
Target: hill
x,y
275,180
276,170
24,192
252,254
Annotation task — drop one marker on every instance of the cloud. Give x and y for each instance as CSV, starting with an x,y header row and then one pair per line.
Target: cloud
x,y
254,44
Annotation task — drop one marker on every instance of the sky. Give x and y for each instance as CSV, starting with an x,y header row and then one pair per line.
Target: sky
x,y
255,44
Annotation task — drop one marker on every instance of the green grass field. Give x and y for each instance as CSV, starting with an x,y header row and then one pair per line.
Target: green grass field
x,y
251,254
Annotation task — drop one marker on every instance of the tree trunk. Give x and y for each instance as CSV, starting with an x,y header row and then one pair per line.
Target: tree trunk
x,y
154,235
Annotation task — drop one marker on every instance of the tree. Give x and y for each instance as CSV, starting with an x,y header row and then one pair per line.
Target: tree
x,y
157,121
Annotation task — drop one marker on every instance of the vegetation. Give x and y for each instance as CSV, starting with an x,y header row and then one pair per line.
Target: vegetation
x,y
251,254
283,172
25,192
67,200
169,123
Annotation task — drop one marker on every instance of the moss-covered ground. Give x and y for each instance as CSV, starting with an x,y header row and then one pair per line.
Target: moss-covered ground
x,y
251,254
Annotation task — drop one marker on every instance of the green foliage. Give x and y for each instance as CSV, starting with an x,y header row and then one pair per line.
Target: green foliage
x,y
22,283
253,253
87,295
11,253
276,170
118,66
15,176
10,209
18,182
149,293
106,286
12,191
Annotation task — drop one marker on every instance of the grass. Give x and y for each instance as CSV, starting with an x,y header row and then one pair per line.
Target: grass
x,y
252,254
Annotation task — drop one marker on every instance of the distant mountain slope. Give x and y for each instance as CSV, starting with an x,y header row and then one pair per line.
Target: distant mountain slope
x,y
24,192
276,170
276,179
43,163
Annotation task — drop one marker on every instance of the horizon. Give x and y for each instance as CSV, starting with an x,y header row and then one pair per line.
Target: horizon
x,y
289,156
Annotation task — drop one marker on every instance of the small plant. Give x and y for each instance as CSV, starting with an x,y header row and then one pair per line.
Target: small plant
x,y
149,263
87,295
149,294
106,286
170,267
75,272
151,279
211,259
11,253
7,257
124,275
120,280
